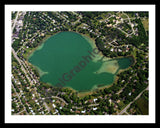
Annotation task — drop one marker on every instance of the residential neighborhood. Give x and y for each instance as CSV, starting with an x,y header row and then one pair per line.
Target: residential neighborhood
x,y
116,34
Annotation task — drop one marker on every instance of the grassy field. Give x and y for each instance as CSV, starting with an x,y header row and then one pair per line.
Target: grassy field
x,y
142,104
146,24
122,105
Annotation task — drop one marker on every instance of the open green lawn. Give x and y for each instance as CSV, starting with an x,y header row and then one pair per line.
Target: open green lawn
x,y
146,24
143,105
121,105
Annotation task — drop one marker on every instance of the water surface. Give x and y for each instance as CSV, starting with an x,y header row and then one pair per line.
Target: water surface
x,y
67,59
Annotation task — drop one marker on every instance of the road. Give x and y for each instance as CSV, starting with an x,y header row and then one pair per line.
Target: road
x,y
15,21
22,64
115,26
20,99
129,23
46,106
19,61
14,53
124,110
58,98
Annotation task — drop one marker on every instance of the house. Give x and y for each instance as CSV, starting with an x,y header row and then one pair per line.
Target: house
x,y
77,111
133,90
95,108
136,14
20,23
56,110
135,81
83,111
111,49
53,105
117,22
109,25
118,101
110,101
90,101
42,34
58,102
95,99
119,50
117,17
71,110
127,48
132,25
136,34
115,106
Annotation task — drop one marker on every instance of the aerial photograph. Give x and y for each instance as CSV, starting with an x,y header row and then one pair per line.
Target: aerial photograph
x,y
80,63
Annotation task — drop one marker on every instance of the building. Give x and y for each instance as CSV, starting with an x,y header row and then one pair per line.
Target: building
x,y
130,94
118,101
95,108
53,105
95,99
111,49
83,111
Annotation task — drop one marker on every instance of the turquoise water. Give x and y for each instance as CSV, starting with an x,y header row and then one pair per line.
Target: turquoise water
x,y
67,60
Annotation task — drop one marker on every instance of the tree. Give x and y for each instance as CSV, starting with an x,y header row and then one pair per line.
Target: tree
x,y
114,97
126,101
16,44
23,101
107,91
17,89
111,109
14,105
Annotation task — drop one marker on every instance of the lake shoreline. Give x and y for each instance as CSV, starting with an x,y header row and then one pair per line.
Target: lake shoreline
x,y
91,41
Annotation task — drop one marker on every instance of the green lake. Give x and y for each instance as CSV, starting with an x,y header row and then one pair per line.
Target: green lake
x,y
69,59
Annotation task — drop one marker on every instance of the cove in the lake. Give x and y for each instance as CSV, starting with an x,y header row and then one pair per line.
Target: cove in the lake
x,y
69,59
